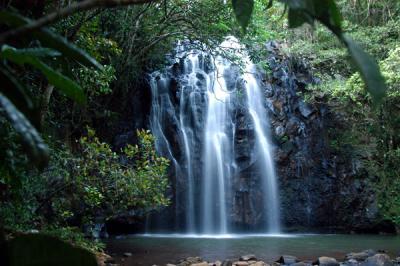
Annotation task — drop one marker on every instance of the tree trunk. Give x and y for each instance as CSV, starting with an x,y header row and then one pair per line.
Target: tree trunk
x,y
44,104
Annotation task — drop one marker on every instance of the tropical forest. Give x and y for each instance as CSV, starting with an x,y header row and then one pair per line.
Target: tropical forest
x,y
200,132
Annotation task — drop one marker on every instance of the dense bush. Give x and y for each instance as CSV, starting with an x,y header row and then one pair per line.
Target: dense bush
x,y
92,185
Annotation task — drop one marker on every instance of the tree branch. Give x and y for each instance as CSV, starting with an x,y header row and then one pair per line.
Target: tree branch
x,y
65,12
154,42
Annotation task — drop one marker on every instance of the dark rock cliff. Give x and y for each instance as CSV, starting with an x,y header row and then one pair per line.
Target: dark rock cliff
x,y
320,190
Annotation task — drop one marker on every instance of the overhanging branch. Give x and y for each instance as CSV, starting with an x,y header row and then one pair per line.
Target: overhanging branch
x,y
65,12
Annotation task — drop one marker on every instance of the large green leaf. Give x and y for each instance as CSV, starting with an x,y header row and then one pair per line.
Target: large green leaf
x,y
328,13
306,11
243,10
29,56
20,56
334,14
33,143
18,95
50,39
368,68
299,4
14,89
297,18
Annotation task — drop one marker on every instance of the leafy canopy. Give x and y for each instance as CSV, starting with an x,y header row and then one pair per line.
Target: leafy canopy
x,y
327,13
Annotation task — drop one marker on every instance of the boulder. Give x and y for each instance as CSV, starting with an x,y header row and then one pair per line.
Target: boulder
x,y
227,263
109,260
204,263
327,261
127,254
190,261
352,262
240,263
248,257
259,263
287,260
280,131
301,264
305,109
378,260
360,256
193,259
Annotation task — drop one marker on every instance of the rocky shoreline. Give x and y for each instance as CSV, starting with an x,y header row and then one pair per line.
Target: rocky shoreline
x,y
364,258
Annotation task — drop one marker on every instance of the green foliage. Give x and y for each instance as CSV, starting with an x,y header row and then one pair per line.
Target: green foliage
x,y
97,183
147,33
82,188
369,70
96,82
13,107
371,131
107,185
370,13
327,13
391,69
49,39
34,144
75,237
31,57
388,186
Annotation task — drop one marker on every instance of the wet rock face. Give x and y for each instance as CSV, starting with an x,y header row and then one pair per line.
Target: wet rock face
x,y
319,189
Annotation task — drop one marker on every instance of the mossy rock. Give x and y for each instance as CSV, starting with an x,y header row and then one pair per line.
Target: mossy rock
x,y
44,250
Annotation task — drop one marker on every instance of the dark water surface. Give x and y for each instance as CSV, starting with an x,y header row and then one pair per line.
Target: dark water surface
x,y
161,249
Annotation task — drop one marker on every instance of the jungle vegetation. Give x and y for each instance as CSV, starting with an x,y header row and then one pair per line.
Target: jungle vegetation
x,y
69,68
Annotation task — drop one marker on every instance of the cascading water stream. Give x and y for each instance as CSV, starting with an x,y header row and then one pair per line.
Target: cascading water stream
x,y
186,130
218,157
263,149
195,126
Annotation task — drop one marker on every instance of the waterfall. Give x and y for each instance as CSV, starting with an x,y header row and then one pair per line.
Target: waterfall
x,y
195,108
263,149
218,152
